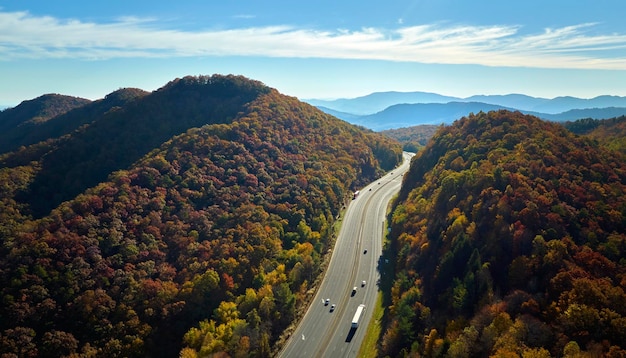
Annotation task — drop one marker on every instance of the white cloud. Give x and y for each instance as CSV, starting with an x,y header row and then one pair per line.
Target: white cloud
x,y
244,16
25,36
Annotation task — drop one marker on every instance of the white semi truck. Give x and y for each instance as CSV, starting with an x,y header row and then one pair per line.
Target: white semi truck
x,y
357,315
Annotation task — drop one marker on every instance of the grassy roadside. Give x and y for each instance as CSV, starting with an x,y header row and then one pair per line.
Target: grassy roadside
x,y
368,348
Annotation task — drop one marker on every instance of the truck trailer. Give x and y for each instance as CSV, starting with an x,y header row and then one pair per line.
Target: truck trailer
x,y
357,315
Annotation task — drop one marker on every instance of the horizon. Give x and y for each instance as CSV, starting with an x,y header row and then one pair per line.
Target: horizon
x,y
324,50
3,106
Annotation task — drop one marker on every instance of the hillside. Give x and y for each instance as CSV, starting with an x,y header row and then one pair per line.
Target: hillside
x,y
31,129
509,234
202,223
38,110
412,138
610,133
119,137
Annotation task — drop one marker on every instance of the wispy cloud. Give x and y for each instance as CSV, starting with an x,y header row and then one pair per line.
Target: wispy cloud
x,y
23,35
244,16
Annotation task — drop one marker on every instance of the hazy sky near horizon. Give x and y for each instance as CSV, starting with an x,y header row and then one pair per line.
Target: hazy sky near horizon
x,y
318,49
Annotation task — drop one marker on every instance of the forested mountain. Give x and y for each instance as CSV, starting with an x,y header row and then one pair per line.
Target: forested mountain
x,y
122,135
611,133
26,127
37,111
510,238
190,220
412,138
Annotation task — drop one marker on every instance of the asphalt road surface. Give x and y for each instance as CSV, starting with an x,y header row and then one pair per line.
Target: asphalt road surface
x,y
324,332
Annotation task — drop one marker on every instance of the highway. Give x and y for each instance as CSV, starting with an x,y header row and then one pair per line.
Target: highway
x,y
326,333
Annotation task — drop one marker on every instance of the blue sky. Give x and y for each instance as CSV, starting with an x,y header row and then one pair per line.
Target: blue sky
x,y
317,49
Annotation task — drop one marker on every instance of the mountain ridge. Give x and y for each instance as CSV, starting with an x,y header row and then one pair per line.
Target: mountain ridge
x,y
378,101
39,109
408,115
163,226
62,123
505,245
116,138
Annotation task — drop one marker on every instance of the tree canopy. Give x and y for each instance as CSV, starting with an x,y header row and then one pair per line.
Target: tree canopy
x,y
202,238
510,238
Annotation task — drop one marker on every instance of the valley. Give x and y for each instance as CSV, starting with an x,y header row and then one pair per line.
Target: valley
x,y
357,251
194,220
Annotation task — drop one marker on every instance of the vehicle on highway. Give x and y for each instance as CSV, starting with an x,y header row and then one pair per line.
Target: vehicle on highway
x,y
364,251
353,290
357,315
329,334
363,284
326,302
332,307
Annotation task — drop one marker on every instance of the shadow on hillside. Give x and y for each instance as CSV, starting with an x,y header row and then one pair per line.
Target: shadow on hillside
x,y
118,139
386,268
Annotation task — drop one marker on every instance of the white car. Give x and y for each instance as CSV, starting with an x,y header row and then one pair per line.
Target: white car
x,y
332,308
363,284
326,301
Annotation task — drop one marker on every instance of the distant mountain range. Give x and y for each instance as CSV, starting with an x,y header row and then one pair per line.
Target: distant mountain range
x,y
386,110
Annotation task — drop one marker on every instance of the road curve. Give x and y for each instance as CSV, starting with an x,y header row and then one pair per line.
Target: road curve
x,y
326,333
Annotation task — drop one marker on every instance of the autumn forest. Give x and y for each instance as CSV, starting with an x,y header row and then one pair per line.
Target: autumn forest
x,y
175,223
194,220
510,237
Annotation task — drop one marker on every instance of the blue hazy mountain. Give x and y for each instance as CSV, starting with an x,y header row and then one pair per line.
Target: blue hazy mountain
x,y
519,101
574,114
387,110
407,115
564,104
378,101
